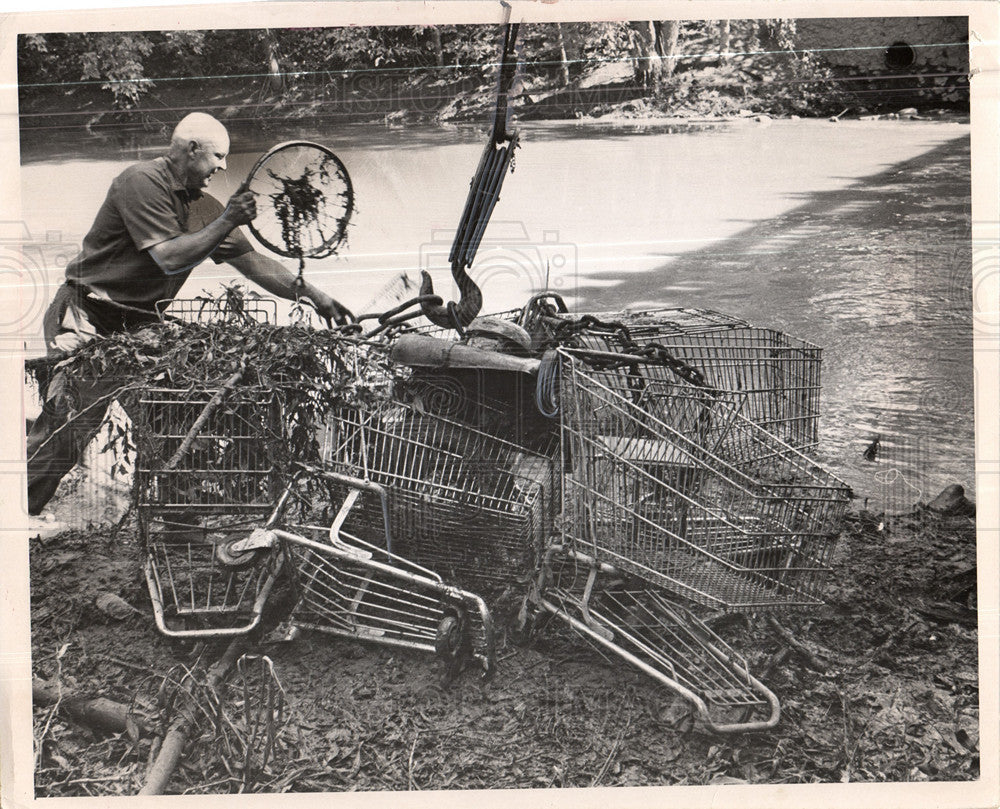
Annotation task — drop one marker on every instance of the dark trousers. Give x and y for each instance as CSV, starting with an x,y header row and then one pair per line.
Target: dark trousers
x,y
70,414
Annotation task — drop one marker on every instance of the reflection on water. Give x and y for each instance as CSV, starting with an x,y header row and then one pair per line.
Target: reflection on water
x,y
853,237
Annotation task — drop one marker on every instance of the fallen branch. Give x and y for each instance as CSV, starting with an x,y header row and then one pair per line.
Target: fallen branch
x,y
176,739
202,420
807,654
72,420
95,712
773,662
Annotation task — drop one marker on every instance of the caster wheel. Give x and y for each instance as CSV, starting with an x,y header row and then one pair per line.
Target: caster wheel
x,y
237,560
448,640
451,644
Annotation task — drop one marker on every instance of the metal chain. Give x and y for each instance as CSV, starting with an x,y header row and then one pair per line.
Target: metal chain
x,y
653,351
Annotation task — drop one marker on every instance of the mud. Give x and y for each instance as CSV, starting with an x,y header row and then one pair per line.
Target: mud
x,y
887,691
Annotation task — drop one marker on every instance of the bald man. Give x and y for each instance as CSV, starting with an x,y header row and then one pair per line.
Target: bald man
x,y
154,227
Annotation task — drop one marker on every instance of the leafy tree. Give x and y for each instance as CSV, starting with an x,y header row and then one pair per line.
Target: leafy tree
x,y
116,59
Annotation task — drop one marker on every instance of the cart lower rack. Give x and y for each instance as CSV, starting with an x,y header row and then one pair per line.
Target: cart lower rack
x,y
658,636
353,588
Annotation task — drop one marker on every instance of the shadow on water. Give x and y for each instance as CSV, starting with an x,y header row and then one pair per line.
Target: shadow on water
x,y
886,201
879,275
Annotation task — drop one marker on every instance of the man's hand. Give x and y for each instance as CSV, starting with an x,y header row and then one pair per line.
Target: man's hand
x,y
241,208
334,310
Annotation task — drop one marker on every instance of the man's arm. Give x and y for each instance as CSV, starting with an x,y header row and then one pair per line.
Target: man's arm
x,y
275,278
184,252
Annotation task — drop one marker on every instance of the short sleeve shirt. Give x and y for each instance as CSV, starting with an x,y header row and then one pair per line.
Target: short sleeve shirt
x,y
146,205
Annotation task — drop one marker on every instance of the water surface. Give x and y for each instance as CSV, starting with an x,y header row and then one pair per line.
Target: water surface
x,y
853,236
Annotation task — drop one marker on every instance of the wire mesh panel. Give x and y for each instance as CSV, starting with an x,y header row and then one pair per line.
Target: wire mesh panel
x,y
229,463
661,638
471,506
204,476
341,594
726,515
499,403
778,374
226,308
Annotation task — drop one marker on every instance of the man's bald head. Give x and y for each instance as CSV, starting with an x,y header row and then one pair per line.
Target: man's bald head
x,y
198,149
199,127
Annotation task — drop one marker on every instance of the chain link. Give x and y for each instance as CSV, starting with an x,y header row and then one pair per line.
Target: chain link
x,y
651,351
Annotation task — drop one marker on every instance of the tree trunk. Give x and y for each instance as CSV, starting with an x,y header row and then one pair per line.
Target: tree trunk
x,y
563,60
95,712
667,34
645,58
436,43
724,36
274,82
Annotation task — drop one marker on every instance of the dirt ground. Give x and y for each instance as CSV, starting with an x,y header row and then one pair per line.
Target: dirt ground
x,y
881,685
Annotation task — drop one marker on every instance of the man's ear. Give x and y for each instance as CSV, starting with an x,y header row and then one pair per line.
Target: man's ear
x,y
192,146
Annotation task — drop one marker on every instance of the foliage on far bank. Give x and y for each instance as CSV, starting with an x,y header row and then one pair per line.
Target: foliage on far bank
x,y
729,63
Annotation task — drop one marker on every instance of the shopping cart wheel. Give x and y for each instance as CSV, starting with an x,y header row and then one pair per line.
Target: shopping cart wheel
x,y
238,560
240,553
453,645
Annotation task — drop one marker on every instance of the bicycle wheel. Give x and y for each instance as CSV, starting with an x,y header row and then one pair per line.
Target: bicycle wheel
x,y
304,200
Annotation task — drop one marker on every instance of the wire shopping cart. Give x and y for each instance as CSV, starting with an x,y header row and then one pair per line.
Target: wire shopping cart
x,y
727,516
671,495
676,489
223,483
352,587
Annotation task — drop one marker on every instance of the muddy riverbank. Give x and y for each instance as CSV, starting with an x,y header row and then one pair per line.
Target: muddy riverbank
x,y
885,689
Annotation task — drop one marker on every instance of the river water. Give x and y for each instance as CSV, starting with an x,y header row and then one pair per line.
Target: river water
x,y
835,233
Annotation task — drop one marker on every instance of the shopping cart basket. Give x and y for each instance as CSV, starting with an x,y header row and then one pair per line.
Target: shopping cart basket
x,y
726,515
779,375
473,507
355,588
221,487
